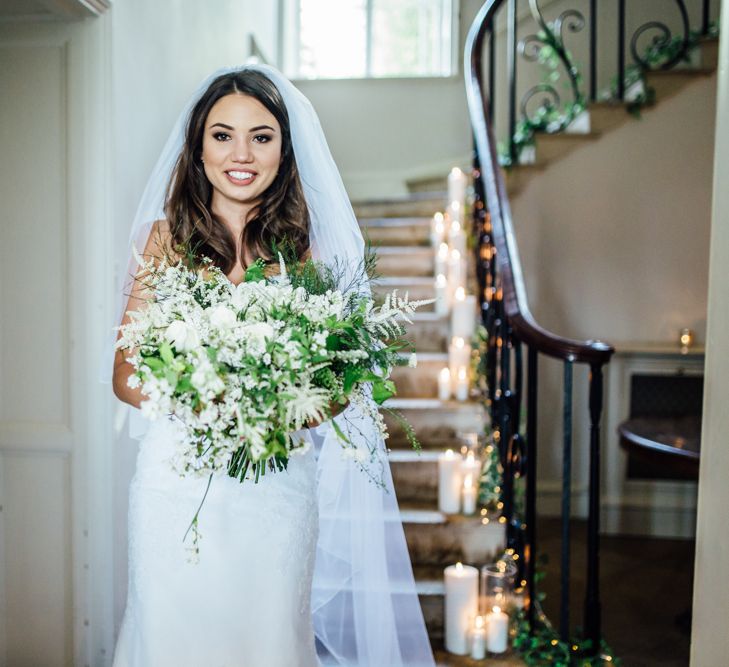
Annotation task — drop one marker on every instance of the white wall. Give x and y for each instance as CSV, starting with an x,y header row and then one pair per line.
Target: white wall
x,y
709,639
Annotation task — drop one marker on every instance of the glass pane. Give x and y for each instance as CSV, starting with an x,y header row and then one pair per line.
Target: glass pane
x,y
333,38
411,37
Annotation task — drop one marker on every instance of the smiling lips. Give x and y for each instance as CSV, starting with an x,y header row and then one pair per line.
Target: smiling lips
x,y
241,177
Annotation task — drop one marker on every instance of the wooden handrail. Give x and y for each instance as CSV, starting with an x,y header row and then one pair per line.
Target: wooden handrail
x,y
507,255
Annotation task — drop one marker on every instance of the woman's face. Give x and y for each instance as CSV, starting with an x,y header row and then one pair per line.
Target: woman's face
x,y
241,148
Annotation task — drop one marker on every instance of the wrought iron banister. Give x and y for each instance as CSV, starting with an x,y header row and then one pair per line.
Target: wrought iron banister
x,y
511,326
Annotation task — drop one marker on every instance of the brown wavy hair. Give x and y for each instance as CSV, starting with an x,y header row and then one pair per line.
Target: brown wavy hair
x,y
280,217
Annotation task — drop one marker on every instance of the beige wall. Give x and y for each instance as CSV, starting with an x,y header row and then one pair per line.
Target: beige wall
x,y
710,640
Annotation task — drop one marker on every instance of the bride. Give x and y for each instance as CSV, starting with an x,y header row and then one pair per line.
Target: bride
x,y
308,566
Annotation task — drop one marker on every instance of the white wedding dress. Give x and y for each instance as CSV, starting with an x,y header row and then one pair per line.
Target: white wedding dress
x,y
247,602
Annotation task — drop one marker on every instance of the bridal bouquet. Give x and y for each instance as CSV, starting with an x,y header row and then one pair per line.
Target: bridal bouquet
x,y
243,367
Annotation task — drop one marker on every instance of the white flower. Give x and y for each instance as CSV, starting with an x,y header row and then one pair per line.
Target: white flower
x,y
222,317
258,331
413,361
182,336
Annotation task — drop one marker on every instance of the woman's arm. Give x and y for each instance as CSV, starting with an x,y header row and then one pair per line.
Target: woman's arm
x,y
158,246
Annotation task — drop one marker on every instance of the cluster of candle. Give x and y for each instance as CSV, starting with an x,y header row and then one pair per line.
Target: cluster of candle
x,y
467,631
458,477
449,242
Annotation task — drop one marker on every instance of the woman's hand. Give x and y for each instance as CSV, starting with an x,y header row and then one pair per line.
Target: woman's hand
x,y
334,407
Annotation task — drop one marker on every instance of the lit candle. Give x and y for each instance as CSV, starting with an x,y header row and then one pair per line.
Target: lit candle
x,y
450,480
444,384
469,495
457,182
462,384
461,605
518,598
441,259
497,630
477,639
463,316
457,237
471,465
441,294
459,354
437,229
456,270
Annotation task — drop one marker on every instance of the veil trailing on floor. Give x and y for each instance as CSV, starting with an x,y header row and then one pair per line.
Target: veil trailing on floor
x,y
364,602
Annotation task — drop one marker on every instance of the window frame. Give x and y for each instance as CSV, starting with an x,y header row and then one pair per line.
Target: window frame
x,y
289,47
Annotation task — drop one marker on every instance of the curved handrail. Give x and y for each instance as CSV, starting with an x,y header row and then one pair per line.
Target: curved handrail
x,y
507,255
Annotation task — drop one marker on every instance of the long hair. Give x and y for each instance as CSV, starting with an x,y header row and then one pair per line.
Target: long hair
x,y
282,214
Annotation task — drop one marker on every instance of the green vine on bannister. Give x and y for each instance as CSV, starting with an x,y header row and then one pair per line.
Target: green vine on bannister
x,y
542,645
547,118
655,54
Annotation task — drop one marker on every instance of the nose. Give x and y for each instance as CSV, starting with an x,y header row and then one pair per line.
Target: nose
x,y
242,151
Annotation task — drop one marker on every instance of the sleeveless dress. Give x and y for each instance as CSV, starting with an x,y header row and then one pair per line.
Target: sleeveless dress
x,y
247,602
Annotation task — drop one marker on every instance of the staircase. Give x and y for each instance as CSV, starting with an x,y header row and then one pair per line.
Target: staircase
x,y
400,231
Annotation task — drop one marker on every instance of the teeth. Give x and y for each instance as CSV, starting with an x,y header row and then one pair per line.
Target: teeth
x,y
241,175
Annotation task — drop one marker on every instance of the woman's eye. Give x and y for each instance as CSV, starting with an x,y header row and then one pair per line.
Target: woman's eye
x,y
217,136
262,138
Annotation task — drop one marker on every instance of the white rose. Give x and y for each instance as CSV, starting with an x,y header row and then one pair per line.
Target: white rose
x,y
222,317
182,336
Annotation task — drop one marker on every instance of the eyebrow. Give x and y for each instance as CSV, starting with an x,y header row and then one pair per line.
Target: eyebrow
x,y
253,129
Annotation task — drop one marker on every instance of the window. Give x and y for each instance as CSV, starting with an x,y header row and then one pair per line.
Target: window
x,y
370,38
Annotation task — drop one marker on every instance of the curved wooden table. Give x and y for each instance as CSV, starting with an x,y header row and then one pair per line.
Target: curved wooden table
x,y
673,443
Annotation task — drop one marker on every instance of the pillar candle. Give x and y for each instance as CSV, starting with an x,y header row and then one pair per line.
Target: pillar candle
x,y
441,259
459,354
469,495
450,481
457,182
477,639
437,230
461,605
497,630
462,384
456,270
441,295
457,237
463,315
471,465
444,384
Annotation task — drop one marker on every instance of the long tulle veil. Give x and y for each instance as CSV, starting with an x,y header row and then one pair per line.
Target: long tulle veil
x,y
364,602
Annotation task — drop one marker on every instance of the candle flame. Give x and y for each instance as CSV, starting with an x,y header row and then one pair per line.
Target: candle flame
x,y
456,170
462,373
443,251
460,294
445,374
455,254
458,341
468,482
496,610
449,453
455,226
479,622
441,280
459,566
470,456
438,217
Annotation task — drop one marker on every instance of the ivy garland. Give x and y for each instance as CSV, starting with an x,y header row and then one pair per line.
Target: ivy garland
x,y
543,646
657,53
548,119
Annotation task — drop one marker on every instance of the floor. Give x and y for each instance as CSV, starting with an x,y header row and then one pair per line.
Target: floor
x,y
646,586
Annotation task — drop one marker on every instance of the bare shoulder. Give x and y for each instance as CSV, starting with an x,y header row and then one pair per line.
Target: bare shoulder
x,y
160,243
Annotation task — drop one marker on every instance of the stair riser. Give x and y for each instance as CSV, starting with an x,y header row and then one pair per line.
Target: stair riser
x,y
400,235
421,381
467,541
406,264
416,207
555,146
433,607
416,481
428,336
415,292
437,428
